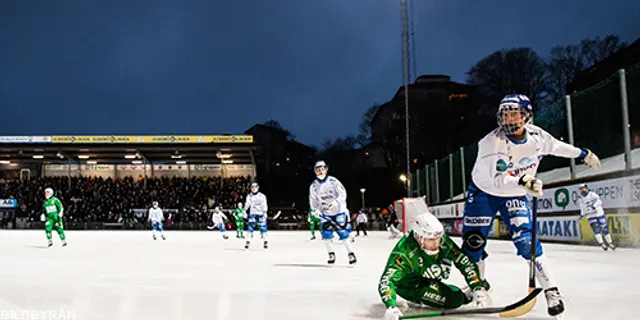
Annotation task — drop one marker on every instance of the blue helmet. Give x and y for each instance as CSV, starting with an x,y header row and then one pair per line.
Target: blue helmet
x,y
514,102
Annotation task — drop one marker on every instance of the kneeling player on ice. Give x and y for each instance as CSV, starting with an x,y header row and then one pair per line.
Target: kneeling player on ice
x,y
219,218
418,264
504,171
256,206
328,201
156,217
591,207
52,216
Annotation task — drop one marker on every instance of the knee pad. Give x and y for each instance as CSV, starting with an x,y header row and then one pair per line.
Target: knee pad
x,y
596,228
250,227
263,228
473,244
523,245
326,234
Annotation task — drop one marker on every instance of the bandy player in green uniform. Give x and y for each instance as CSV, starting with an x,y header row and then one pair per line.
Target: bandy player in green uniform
x,y
238,214
418,264
52,211
314,223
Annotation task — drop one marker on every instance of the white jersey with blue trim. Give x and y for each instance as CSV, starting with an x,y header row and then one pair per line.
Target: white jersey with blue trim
x,y
218,217
156,215
590,205
502,161
328,197
256,204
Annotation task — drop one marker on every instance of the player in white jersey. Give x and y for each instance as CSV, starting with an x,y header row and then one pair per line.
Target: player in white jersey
x,y
503,173
219,218
328,200
256,208
156,216
591,207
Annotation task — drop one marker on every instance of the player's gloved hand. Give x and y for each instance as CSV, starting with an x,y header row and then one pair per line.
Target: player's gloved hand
x,y
392,313
42,217
592,160
60,215
532,184
481,298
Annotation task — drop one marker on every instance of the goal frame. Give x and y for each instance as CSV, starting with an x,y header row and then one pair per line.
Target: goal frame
x,y
400,206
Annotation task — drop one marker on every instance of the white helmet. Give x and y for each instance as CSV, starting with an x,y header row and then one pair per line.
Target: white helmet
x,y
48,193
322,173
427,226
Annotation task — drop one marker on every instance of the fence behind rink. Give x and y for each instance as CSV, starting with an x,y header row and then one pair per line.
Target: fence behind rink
x,y
604,118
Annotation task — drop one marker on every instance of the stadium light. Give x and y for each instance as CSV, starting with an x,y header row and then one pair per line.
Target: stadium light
x,y
83,156
403,178
129,156
92,162
136,161
38,156
181,162
5,162
227,161
362,191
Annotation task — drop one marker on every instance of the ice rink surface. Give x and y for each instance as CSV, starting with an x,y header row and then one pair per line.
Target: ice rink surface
x,y
125,275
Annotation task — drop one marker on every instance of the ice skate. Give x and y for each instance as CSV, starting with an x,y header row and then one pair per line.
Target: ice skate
x,y
64,243
554,302
352,258
246,245
604,246
50,243
332,258
266,246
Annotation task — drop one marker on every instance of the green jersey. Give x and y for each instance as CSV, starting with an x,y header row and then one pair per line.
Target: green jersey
x,y
409,266
52,207
312,218
239,215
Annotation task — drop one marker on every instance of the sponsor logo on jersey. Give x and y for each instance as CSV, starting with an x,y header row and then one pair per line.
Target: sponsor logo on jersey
x,y
525,161
385,291
477,221
518,171
501,166
399,260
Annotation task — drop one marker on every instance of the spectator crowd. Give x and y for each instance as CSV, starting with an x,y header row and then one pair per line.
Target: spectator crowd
x,y
96,199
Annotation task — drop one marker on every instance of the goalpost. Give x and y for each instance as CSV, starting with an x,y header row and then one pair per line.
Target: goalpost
x,y
407,209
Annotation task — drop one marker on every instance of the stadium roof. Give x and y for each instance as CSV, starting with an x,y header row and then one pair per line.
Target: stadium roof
x,y
236,149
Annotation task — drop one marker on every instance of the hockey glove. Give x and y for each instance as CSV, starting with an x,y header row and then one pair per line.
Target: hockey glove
x,y
592,160
392,313
42,217
481,298
532,184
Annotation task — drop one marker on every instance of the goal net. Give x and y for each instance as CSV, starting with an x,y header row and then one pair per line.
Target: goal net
x,y
407,209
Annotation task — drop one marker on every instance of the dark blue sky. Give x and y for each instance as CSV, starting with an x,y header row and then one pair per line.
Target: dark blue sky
x,y
181,67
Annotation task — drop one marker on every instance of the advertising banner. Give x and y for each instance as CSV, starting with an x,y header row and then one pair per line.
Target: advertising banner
x,y
621,192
